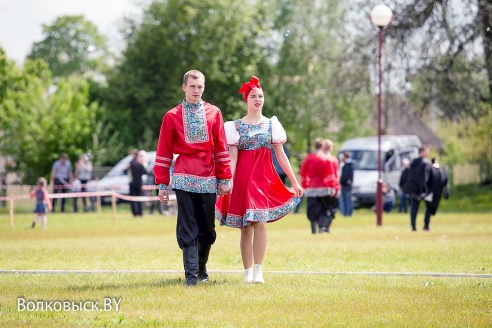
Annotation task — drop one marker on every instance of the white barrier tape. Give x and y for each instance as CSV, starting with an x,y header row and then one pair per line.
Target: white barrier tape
x,y
94,193
142,198
63,195
68,186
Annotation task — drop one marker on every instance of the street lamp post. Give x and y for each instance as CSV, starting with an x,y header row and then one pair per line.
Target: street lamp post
x,y
381,16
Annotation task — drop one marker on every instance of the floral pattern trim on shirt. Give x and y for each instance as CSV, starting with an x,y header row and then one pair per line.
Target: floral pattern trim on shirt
x,y
260,215
194,122
194,183
223,182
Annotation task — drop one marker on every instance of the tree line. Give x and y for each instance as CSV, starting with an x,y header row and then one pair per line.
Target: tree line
x,y
316,61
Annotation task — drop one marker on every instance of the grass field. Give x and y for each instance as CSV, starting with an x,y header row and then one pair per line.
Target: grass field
x,y
358,275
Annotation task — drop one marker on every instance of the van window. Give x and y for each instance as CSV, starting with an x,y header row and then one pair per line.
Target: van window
x,y
368,159
395,164
120,167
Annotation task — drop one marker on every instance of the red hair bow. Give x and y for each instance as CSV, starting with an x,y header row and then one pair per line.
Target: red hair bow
x,y
253,84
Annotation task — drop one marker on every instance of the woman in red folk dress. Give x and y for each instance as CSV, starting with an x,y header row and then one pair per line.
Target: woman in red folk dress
x,y
258,195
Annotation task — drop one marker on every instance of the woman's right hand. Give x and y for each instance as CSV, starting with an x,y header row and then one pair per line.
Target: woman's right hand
x,y
298,190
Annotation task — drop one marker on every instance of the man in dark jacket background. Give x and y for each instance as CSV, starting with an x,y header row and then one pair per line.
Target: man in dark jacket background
x,y
418,183
137,170
403,180
438,186
346,181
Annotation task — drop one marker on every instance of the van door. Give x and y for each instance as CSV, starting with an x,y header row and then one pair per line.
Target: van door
x,y
393,169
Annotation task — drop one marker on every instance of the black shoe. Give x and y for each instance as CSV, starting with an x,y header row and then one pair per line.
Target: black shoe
x,y
203,251
414,229
190,261
426,229
203,278
33,225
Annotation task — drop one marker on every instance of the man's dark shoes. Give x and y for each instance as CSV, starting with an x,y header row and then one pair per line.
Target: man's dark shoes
x,y
203,252
190,261
203,277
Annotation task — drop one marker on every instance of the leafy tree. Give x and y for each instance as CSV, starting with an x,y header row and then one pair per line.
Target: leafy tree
x,y
451,28
437,39
223,39
71,45
38,125
323,88
458,94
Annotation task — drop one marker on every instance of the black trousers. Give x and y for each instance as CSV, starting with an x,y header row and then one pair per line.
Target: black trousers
x,y
76,201
414,210
136,190
321,212
196,218
60,186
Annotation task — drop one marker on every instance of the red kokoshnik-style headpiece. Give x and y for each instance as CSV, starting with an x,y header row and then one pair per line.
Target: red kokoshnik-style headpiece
x,y
253,84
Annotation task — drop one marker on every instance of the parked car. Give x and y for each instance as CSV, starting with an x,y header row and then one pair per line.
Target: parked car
x,y
364,153
118,178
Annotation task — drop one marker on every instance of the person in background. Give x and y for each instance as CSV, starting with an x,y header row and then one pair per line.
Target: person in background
x,y
418,183
92,187
133,156
42,202
194,130
61,177
319,179
333,182
438,187
346,181
137,171
278,168
389,197
402,207
83,173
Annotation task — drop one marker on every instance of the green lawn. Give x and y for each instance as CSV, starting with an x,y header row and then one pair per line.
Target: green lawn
x,y
342,293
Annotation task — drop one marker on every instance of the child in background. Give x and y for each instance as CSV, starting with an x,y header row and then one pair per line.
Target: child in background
x,y
42,201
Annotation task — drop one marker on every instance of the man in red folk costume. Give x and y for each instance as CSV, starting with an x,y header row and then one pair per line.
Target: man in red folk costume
x,y
320,182
194,130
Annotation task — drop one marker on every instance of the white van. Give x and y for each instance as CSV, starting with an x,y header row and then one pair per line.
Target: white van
x,y
117,177
363,152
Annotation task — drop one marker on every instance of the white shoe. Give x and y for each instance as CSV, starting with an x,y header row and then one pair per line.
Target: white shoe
x,y
248,275
258,275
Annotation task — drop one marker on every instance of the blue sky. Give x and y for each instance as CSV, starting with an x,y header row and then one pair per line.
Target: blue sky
x,y
21,20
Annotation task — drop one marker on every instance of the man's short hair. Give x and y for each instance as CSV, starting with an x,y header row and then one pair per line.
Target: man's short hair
x,y
423,148
318,143
194,74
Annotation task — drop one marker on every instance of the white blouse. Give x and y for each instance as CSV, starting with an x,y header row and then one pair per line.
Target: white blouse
x,y
278,133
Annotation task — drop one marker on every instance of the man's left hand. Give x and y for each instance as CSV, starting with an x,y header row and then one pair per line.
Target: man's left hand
x,y
224,189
